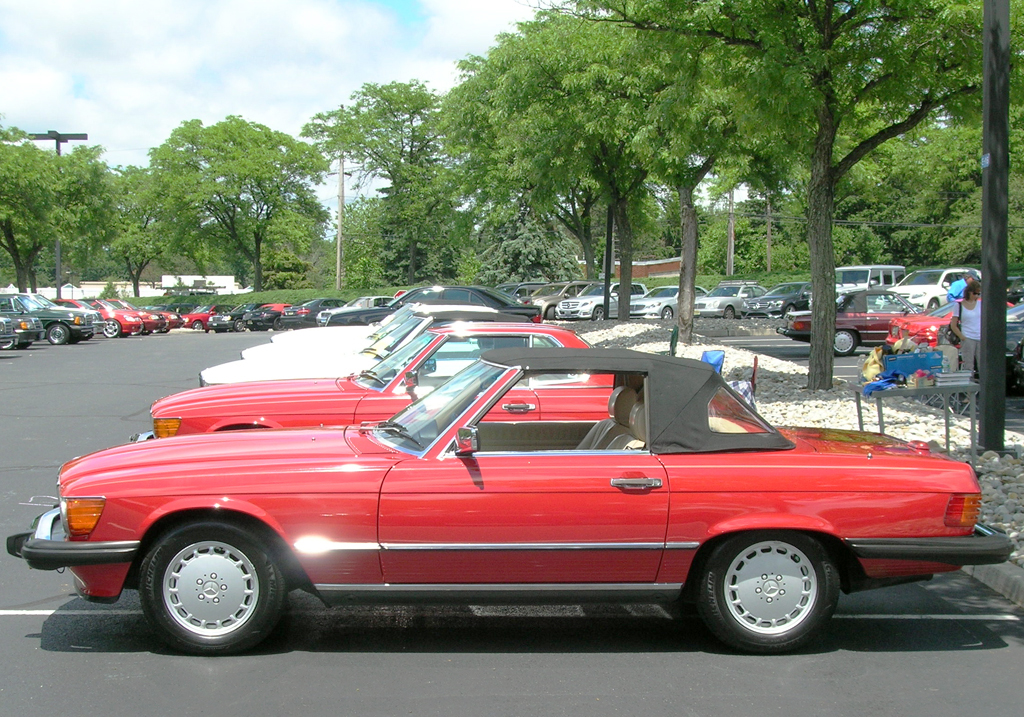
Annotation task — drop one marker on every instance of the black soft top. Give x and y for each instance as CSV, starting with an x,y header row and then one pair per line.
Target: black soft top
x,y
677,394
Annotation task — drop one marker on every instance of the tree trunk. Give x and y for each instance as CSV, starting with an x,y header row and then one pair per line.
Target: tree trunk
x,y
410,275
624,233
257,263
820,210
687,264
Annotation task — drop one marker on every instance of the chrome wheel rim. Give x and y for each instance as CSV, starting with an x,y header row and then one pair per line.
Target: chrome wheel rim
x,y
666,313
210,589
57,334
111,329
770,588
843,342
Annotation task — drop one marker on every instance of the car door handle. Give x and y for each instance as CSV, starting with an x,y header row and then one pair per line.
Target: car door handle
x,y
519,407
636,483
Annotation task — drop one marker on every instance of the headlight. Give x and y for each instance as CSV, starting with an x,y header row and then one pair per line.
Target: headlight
x,y
131,317
713,304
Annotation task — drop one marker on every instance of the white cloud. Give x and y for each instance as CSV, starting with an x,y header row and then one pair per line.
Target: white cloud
x,y
127,73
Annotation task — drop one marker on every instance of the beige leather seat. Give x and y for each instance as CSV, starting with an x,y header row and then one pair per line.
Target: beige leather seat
x,y
620,404
636,440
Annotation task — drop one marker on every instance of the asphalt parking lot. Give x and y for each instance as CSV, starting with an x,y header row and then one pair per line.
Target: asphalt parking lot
x,y
941,647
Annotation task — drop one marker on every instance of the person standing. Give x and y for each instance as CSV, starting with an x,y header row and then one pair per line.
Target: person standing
x,y
965,322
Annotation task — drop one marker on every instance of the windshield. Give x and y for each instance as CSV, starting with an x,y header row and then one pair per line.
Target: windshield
x,y
424,420
43,301
725,291
852,276
922,278
1015,315
944,310
385,371
662,292
598,290
785,289
31,304
202,310
393,336
549,290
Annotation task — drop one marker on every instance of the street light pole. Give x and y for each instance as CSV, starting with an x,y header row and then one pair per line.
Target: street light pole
x,y
59,138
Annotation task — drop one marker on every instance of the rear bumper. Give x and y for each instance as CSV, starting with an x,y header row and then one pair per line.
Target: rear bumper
x,y
795,335
986,546
41,551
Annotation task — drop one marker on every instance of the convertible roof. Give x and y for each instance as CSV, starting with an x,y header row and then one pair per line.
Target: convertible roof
x,y
677,394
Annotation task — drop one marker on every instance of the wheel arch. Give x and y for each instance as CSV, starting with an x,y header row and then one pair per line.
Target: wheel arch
x,y
849,568
246,517
235,424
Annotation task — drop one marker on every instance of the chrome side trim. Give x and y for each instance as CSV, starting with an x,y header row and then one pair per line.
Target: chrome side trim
x,y
497,593
682,546
523,546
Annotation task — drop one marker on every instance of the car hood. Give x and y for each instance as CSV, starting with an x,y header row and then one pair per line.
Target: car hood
x,y
328,346
294,396
286,367
320,334
238,462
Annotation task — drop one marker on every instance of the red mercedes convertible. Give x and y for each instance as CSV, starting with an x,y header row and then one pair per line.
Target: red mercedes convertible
x,y
685,493
414,370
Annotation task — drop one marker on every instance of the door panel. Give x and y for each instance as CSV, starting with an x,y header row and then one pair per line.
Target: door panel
x,y
523,518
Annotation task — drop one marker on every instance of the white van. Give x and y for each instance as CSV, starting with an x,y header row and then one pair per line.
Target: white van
x,y
868,276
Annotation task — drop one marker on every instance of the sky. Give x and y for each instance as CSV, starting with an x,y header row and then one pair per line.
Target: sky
x,y
127,72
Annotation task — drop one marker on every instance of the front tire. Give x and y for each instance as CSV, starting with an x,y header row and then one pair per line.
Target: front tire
x,y
58,334
787,308
845,342
932,305
598,314
729,312
768,591
112,329
197,325
238,326
549,313
666,313
278,324
210,589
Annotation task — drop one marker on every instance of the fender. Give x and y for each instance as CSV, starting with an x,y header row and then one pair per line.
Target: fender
x,y
188,503
250,423
771,521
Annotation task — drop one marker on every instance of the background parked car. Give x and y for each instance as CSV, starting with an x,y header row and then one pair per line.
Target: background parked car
x,y
369,302
862,319
780,300
115,320
1014,289
174,320
927,288
520,290
590,303
304,315
546,297
198,318
60,324
267,316
233,320
152,321
726,299
658,303
8,336
477,295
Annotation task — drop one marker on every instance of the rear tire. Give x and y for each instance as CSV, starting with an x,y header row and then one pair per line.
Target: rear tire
x,y
211,589
768,591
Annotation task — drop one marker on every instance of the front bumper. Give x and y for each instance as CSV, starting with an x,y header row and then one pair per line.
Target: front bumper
x,y
718,313
142,437
42,551
986,546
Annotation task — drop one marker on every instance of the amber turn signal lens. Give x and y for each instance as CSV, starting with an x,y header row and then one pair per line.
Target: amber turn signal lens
x,y
963,510
165,427
82,514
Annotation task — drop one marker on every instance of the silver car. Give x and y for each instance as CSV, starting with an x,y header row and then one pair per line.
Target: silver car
x,y
726,299
660,302
590,304
546,298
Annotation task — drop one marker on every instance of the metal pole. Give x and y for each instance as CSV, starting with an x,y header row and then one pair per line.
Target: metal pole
x,y
995,164
340,259
59,138
608,260
730,231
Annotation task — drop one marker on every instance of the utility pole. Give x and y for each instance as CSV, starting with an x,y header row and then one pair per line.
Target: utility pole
x,y
59,139
340,259
768,217
731,235
995,167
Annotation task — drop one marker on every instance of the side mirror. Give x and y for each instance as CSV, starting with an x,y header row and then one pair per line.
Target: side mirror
x,y
411,380
429,366
467,441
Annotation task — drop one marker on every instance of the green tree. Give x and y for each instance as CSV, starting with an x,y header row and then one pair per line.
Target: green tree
x,y
142,238
525,250
392,133
240,186
834,80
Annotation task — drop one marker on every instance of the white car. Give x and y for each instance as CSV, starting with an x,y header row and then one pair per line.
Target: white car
x,y
660,302
927,287
590,304
338,361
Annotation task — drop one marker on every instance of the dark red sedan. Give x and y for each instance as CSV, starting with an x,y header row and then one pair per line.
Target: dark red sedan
x,y
862,319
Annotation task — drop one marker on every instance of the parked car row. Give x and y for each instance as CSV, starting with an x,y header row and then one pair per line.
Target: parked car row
x,y
496,463
35,317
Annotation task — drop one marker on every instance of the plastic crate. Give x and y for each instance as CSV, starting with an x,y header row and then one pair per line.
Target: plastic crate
x,y
906,364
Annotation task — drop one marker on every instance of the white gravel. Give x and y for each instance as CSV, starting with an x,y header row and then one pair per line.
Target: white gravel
x,y
783,399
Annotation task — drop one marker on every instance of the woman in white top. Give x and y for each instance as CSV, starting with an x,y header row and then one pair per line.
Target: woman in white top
x,y
966,323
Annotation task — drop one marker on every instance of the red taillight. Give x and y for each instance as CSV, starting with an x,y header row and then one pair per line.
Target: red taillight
x,y
963,510
535,318
801,325
302,312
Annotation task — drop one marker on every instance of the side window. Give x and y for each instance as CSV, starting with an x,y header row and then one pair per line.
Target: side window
x,y
884,303
456,354
727,414
544,342
5,305
461,295
637,289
